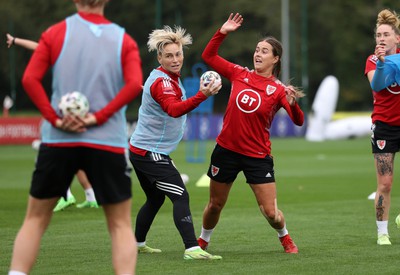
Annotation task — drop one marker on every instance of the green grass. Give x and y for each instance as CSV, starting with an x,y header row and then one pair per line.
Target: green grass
x,y
322,190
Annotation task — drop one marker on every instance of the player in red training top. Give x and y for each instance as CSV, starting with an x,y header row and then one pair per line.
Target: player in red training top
x,y
244,142
90,54
385,139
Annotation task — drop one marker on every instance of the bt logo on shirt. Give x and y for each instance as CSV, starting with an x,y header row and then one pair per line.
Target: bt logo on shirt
x,y
248,101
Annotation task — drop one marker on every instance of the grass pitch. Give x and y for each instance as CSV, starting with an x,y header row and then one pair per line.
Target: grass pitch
x,y
322,190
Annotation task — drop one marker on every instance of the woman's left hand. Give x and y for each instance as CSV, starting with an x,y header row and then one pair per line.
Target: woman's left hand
x,y
232,24
10,40
291,94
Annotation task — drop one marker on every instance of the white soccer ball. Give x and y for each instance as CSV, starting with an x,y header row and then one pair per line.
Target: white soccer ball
x,y
208,76
74,103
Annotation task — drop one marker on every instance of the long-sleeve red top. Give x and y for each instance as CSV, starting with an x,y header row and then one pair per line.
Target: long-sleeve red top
x,y
252,105
387,101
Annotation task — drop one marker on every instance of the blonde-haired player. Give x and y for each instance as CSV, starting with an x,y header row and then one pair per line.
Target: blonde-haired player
x,y
160,126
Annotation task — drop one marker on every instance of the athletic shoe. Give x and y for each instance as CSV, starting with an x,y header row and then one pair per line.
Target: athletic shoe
x,y
398,221
147,249
63,204
202,243
383,239
288,244
88,204
200,254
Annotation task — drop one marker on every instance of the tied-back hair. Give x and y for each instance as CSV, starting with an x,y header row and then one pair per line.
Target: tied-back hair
x,y
277,50
159,38
387,17
93,3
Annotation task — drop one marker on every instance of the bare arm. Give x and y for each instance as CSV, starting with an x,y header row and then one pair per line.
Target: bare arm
x,y
25,43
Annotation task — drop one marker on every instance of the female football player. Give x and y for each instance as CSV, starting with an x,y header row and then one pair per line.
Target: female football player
x,y
69,200
385,140
162,117
244,142
81,51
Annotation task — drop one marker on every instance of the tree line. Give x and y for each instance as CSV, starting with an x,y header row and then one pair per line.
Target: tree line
x,y
326,38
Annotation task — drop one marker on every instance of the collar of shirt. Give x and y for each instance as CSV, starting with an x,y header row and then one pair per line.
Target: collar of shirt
x,y
94,18
172,75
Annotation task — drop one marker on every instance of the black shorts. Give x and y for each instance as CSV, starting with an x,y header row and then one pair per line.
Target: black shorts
x,y
385,138
226,165
157,174
106,171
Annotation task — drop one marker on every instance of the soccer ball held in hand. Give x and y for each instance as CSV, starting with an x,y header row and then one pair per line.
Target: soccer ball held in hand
x,y
208,76
74,103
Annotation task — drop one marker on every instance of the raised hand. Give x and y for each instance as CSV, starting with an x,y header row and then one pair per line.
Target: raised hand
x,y
10,40
380,52
232,24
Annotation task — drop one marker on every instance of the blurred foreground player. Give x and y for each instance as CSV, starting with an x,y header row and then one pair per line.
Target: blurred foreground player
x,y
101,61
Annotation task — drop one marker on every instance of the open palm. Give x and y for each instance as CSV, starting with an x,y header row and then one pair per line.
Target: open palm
x,y
233,23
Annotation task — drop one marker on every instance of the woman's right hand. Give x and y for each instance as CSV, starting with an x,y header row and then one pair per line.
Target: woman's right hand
x,y
71,123
232,24
210,88
380,52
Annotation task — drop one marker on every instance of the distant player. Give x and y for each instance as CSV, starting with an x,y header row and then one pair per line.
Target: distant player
x,y
385,116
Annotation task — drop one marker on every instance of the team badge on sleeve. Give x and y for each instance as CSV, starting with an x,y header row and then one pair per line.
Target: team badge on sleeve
x,y
214,170
381,143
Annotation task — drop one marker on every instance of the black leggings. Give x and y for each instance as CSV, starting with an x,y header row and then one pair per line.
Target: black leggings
x,y
159,179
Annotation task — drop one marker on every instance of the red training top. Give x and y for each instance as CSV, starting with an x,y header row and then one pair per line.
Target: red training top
x,y
253,103
387,101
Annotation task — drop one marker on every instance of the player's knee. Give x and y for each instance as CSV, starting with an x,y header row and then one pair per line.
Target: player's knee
x,y
272,215
177,196
155,203
385,186
215,206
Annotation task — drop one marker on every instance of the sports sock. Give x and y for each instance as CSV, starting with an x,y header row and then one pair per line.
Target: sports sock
x,y
69,194
382,227
13,272
90,195
206,234
141,244
282,232
192,248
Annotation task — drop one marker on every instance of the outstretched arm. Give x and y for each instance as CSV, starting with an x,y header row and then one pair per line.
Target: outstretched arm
x,y
169,96
232,24
28,44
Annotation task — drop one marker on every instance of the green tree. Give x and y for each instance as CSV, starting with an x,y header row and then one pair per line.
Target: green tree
x,y
339,38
